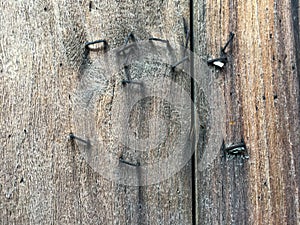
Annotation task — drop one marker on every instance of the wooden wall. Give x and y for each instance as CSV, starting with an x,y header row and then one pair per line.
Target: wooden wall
x,y
45,180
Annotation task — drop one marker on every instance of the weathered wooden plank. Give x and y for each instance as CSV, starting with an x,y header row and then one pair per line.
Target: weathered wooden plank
x,y
261,90
43,177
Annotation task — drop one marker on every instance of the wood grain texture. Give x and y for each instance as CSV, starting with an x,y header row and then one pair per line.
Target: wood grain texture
x,y
261,90
43,178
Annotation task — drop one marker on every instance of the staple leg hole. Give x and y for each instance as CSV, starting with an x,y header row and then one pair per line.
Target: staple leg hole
x,y
90,6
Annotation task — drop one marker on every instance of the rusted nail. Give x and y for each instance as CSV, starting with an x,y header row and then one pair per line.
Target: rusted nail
x,y
236,149
126,40
88,44
129,163
222,60
231,36
73,137
218,62
178,63
158,39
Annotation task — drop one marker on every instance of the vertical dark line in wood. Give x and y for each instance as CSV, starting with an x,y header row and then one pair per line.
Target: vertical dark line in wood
x,y
295,20
295,7
193,159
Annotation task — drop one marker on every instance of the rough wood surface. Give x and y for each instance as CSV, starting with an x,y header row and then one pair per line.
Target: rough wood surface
x,y
43,178
261,90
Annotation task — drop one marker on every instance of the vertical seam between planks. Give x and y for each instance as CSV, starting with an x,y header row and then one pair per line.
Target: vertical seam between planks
x,y
194,156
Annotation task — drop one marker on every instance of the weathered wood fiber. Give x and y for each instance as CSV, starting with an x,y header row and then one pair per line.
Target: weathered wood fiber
x,y
261,89
43,178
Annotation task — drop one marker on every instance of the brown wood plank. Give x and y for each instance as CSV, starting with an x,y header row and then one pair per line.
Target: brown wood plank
x,y
260,87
